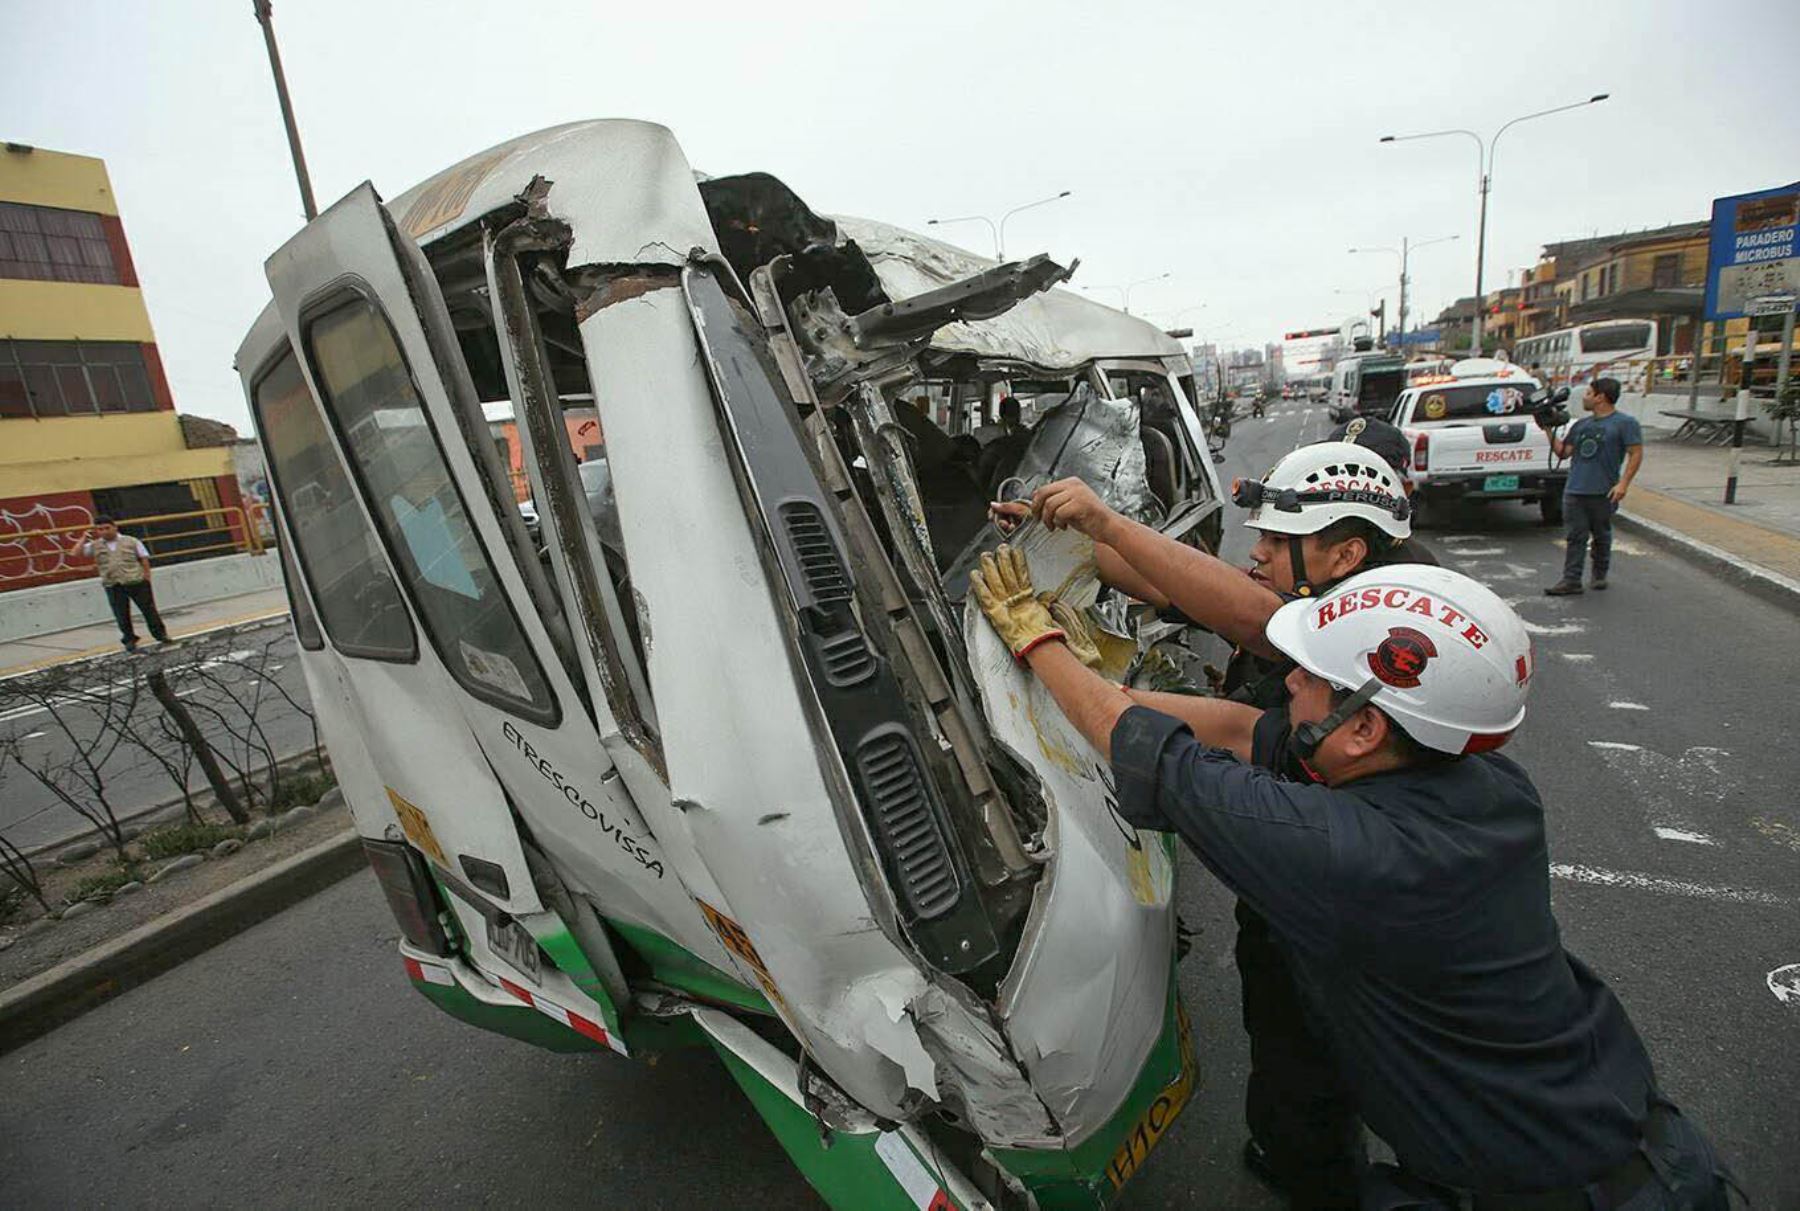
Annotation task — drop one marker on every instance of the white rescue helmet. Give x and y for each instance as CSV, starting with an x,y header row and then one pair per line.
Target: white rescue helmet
x,y
1439,653
1314,486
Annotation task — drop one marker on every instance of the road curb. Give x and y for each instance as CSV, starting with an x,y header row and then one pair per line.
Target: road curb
x,y
71,988
248,622
1770,585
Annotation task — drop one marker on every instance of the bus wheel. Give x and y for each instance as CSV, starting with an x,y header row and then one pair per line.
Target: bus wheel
x,y
1550,508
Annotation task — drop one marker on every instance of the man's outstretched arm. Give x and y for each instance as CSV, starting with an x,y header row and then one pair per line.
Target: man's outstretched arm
x,y
1207,589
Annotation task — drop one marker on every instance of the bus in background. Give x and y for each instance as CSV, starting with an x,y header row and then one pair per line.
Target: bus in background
x,y
1573,357
1312,388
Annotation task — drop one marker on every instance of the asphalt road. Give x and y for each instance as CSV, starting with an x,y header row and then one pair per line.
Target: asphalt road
x,y
31,816
292,1066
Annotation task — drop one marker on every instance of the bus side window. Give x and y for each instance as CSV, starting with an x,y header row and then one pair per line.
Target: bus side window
x,y
357,599
306,624
368,391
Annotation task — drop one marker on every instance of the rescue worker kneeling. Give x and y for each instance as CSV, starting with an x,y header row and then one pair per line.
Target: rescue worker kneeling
x,y
1410,887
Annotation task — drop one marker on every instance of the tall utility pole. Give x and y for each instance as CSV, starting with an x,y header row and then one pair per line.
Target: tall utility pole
x,y
1404,255
1484,163
265,18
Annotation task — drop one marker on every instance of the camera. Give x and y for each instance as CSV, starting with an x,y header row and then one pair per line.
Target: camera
x,y
1548,411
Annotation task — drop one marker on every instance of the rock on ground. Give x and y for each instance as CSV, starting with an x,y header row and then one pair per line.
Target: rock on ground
x,y
185,862
229,845
80,852
81,909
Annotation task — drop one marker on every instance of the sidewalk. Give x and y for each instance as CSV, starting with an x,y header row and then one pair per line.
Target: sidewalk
x,y
1679,497
61,647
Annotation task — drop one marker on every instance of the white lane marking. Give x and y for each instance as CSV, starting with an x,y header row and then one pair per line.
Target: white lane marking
x,y
1600,877
1784,982
1577,657
1554,628
35,735
1670,790
1628,706
1679,834
1481,570
1466,538
1472,552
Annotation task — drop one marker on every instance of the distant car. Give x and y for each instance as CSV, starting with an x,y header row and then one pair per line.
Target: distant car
x,y
533,527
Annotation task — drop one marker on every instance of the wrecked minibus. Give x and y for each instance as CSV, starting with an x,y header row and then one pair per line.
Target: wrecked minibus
x,y
715,756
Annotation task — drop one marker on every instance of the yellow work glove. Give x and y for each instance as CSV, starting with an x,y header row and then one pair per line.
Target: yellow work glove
x,y
1002,585
1077,632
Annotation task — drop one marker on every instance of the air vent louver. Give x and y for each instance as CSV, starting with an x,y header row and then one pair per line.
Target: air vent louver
x,y
894,790
846,659
820,562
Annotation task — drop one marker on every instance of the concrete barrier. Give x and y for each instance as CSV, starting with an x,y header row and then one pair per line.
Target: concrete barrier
x,y
79,603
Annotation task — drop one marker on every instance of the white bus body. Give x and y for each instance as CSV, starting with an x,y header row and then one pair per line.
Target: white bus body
x,y
1573,357
728,753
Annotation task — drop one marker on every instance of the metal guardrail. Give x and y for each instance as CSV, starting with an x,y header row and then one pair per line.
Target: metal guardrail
x,y
29,558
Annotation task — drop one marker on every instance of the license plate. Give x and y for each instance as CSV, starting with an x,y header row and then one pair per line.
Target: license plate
x,y
1500,483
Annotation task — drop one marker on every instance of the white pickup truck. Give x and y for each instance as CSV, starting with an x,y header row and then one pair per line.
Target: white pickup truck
x,y
1473,437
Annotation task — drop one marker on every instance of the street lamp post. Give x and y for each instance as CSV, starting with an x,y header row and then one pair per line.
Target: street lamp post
x,y
1484,162
1370,300
1130,286
1404,253
998,230
264,10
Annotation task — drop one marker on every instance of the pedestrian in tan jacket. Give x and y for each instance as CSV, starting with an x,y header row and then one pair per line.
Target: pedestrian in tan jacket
x,y
123,563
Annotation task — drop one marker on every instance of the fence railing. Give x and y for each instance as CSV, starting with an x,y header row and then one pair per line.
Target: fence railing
x,y
52,554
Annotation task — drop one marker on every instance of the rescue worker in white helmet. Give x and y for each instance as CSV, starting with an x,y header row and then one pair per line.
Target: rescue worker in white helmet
x,y
1322,513
1409,886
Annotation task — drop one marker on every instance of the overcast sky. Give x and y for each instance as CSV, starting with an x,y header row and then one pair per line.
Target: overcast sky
x,y
1232,146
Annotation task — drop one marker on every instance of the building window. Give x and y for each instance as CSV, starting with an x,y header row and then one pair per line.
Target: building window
x,y
45,244
1612,278
73,378
1665,271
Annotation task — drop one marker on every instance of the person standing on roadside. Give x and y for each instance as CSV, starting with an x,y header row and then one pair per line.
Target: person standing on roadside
x,y
123,563
1605,450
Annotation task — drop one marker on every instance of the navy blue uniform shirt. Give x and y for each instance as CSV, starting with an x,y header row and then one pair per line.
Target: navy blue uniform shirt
x,y
1415,907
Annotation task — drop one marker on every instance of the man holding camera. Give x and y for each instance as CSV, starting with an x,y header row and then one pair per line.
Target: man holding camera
x,y
1605,450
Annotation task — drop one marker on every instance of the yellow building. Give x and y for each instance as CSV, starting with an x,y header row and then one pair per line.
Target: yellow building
x,y
1655,275
87,423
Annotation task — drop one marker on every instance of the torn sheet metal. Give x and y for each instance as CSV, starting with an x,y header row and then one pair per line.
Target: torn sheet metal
x,y
1055,330
1085,999
624,187
1087,436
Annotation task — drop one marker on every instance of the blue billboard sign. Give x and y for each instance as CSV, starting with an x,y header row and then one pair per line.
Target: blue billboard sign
x,y
1418,336
1752,252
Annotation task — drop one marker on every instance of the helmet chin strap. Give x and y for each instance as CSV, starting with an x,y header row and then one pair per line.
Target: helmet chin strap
x,y
1297,560
1309,736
